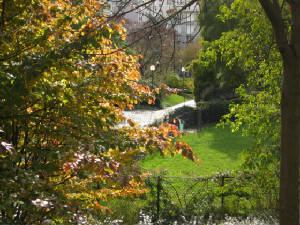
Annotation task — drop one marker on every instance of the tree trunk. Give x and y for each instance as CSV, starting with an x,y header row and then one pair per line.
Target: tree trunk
x,y
290,130
290,147
288,45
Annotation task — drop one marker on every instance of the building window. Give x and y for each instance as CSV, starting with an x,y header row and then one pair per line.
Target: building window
x,y
189,38
140,17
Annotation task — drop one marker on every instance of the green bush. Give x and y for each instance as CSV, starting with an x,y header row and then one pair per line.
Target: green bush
x,y
173,81
213,111
228,194
125,210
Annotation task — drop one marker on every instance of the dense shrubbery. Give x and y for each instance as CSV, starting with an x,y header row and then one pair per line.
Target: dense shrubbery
x,y
205,200
213,111
228,194
174,81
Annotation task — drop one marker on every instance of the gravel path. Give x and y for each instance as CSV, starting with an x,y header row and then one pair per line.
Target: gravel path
x,y
148,117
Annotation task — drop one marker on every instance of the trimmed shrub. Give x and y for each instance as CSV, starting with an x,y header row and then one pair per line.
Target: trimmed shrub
x,y
212,111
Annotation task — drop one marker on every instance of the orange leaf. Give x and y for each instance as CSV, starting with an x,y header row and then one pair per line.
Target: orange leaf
x,y
131,122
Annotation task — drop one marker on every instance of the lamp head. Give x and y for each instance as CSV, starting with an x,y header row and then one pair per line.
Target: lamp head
x,y
152,67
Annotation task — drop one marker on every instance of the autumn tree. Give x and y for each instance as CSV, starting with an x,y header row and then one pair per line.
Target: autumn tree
x,y
64,82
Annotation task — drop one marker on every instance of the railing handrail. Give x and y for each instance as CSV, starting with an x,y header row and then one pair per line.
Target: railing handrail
x,y
192,178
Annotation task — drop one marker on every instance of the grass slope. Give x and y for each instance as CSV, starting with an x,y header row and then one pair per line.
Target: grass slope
x,y
171,100
219,149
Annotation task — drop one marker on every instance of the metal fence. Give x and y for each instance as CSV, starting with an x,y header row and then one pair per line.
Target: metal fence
x,y
188,197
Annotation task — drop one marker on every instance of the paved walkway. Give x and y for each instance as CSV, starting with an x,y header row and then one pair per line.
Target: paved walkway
x,y
148,117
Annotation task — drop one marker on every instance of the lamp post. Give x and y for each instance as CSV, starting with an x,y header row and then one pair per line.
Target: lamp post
x,y
152,68
183,75
157,65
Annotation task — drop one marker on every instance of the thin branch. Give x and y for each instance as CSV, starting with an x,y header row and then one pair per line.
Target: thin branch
x,y
291,2
273,12
3,15
119,13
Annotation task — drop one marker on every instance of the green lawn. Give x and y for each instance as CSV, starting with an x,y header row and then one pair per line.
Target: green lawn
x,y
218,149
171,100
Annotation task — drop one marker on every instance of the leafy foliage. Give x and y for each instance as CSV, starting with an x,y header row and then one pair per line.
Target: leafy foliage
x,y
213,77
212,27
248,49
172,80
255,53
208,200
64,82
250,45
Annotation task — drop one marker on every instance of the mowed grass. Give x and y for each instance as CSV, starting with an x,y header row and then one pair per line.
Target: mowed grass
x,y
219,150
171,100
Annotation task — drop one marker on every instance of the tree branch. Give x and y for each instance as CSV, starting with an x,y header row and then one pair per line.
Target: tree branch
x,y
291,2
273,12
3,15
119,13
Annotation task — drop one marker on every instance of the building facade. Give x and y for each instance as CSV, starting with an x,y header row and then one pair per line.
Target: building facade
x,y
184,23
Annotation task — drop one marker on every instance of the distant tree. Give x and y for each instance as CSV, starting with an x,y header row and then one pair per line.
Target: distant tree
x,y
158,32
189,52
213,78
211,26
159,50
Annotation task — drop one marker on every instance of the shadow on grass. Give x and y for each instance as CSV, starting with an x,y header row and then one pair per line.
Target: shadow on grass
x,y
223,140
218,149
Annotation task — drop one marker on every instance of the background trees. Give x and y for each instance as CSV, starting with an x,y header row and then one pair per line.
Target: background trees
x,y
252,68
267,51
213,78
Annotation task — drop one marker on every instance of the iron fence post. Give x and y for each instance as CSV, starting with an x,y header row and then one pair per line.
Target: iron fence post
x,y
222,195
158,188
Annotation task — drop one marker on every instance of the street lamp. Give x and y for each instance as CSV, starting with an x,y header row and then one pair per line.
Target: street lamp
x,y
157,64
152,68
183,75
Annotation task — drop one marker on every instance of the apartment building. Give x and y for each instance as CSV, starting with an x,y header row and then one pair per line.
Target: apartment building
x,y
185,23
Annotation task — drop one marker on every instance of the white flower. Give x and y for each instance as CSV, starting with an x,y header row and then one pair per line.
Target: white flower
x,y
41,203
8,147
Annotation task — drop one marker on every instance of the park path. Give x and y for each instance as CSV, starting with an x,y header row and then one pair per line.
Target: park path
x,y
147,117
